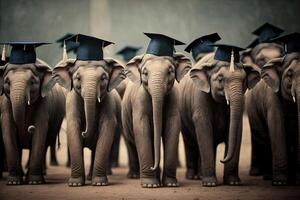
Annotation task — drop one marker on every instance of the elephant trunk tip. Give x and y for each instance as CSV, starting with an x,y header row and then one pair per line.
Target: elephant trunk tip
x,y
153,168
31,129
83,134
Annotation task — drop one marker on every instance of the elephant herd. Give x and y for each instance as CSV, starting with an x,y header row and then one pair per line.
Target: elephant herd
x,y
151,100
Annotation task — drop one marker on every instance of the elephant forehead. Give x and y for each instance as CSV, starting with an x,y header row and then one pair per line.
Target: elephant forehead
x,y
157,63
270,53
90,70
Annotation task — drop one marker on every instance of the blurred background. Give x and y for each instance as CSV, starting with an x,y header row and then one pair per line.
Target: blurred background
x,y
124,21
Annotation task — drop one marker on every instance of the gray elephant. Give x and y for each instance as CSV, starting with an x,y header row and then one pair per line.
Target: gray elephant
x,y
32,112
92,113
257,58
150,112
211,107
274,118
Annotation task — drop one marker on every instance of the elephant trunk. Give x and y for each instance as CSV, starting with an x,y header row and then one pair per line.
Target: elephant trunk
x,y
17,98
157,92
236,101
89,98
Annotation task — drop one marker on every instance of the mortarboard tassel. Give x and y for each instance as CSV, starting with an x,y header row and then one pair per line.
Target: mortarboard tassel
x,y
231,67
3,53
65,55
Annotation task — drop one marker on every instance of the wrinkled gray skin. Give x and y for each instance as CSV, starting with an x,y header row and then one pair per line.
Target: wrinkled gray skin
x,y
273,109
2,153
150,113
92,113
32,111
263,133
211,107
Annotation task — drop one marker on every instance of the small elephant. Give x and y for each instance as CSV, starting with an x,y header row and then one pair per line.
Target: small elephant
x,y
273,109
32,112
257,58
211,107
93,113
150,112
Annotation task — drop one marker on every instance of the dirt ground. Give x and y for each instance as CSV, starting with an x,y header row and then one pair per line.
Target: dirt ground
x,y
122,188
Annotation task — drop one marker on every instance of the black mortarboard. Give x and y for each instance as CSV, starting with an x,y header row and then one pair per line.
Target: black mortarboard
x,y
70,46
161,45
291,42
89,48
128,52
23,52
266,32
202,44
224,52
253,43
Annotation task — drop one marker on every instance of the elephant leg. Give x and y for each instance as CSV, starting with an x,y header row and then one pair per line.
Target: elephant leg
x,y
38,149
267,162
106,135
231,168
257,155
170,141
204,132
53,158
90,174
68,164
278,147
15,172
114,154
144,145
191,154
134,168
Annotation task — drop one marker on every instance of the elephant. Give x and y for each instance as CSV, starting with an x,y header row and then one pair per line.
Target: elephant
x,y
93,113
257,57
211,107
274,118
31,113
150,113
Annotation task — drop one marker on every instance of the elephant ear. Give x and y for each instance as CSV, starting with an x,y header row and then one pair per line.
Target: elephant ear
x,y
132,69
47,80
199,75
2,70
117,74
253,76
183,64
270,73
62,75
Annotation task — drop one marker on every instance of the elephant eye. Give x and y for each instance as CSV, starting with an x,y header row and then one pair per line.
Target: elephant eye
x,y
104,77
145,72
77,77
170,70
7,81
220,78
289,73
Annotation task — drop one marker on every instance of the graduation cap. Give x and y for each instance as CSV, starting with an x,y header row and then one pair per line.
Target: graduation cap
x,y
70,46
291,42
253,43
161,45
228,53
22,52
89,48
202,44
266,32
128,52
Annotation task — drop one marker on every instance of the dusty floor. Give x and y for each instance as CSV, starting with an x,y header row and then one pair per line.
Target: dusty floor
x,y
122,188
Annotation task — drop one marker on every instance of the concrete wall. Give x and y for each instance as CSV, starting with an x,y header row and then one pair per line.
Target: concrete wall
x,y
123,21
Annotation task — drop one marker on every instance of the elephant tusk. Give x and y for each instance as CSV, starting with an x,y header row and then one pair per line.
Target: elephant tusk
x,y
31,129
294,99
99,100
227,101
28,102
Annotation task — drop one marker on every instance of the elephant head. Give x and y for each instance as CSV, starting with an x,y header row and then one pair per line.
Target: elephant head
x,y
226,86
23,85
261,54
91,80
157,75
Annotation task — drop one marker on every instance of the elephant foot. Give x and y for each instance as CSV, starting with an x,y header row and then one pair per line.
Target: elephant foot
x,y
255,171
76,182
14,180
35,179
190,174
279,180
232,180
210,181
150,183
170,182
99,181
133,174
